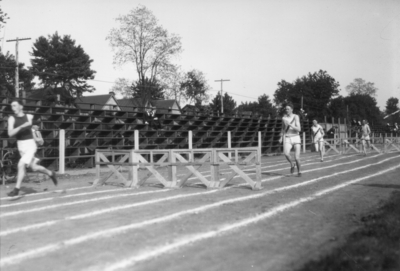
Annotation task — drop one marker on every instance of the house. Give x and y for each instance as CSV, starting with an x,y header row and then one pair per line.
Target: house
x,y
98,102
167,107
132,104
162,106
190,110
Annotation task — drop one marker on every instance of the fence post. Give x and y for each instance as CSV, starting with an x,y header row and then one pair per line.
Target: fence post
x,y
190,140
136,139
229,144
259,141
304,142
61,148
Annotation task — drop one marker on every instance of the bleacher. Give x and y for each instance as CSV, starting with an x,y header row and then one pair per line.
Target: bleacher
x,y
89,129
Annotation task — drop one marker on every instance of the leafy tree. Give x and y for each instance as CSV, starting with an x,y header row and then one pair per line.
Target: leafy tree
x,y
141,40
361,106
360,86
3,17
57,60
263,107
317,89
392,105
7,75
195,88
147,90
229,103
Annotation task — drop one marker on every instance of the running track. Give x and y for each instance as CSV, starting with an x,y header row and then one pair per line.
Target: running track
x,y
234,228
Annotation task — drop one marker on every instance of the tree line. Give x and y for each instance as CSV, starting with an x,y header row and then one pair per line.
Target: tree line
x,y
140,40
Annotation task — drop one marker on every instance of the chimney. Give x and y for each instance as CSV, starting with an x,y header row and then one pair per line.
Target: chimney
x,y
112,93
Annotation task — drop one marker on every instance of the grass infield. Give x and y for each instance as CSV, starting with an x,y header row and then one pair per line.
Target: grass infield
x,y
373,247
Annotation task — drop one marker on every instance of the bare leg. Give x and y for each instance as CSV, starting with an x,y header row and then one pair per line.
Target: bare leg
x,y
321,150
36,167
297,148
287,154
21,174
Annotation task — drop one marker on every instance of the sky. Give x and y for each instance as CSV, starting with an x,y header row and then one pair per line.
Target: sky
x,y
253,43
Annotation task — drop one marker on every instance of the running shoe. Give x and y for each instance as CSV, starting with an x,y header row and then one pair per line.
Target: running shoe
x,y
299,174
53,177
322,160
292,169
13,193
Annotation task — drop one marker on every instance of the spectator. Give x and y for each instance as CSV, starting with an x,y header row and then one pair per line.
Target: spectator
x,y
151,119
388,129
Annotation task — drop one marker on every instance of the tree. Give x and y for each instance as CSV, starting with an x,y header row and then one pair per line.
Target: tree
x,y
57,60
123,86
392,105
147,90
263,107
317,89
3,20
361,106
195,88
229,104
141,40
359,86
171,80
7,75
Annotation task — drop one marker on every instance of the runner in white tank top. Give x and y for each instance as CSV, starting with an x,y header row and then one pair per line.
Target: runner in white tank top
x,y
318,138
291,138
365,139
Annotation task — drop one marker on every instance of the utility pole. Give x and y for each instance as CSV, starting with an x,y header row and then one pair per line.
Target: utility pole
x,y
222,100
17,40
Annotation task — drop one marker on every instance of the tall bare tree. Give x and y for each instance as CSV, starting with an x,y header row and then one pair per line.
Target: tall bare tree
x,y
141,40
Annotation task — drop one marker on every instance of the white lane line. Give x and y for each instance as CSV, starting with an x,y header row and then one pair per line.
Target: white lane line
x,y
87,187
18,258
47,192
153,252
63,197
47,207
36,209
195,210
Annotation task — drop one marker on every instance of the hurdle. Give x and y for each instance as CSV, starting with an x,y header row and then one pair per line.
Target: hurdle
x,y
333,145
172,159
391,143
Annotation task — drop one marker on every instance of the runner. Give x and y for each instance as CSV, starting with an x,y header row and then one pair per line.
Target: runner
x,y
291,138
365,139
318,138
20,126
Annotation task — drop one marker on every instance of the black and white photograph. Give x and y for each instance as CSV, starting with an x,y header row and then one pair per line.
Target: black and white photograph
x,y
200,135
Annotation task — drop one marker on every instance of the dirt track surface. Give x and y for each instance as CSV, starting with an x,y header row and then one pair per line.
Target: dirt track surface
x,y
290,221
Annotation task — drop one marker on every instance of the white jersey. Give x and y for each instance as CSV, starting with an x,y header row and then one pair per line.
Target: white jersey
x,y
289,131
365,130
317,131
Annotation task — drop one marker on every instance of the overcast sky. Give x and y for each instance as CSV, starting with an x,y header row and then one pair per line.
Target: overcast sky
x,y
254,43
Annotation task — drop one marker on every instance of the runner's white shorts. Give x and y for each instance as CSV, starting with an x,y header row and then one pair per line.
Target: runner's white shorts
x,y
365,138
290,141
317,141
27,149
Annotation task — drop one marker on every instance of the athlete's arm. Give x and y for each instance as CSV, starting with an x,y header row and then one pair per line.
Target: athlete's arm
x,y
321,130
296,125
13,131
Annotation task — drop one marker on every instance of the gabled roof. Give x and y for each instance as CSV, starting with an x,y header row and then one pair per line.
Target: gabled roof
x,y
128,104
99,101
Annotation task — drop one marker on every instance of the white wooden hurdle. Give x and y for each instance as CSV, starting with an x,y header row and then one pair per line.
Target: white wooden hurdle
x,y
174,158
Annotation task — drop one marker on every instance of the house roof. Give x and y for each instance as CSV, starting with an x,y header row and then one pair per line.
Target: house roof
x,y
127,104
99,101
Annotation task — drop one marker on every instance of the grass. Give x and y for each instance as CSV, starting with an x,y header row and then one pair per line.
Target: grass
x,y
373,247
